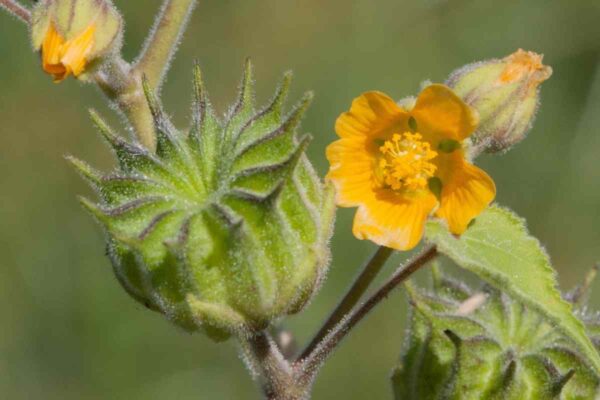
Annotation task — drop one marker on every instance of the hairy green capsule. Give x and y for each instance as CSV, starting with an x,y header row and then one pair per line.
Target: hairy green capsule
x,y
226,227
482,345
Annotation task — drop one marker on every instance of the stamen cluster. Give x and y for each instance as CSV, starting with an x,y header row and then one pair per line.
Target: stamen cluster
x,y
406,162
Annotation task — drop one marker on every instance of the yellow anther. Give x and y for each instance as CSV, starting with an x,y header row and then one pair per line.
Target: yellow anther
x,y
406,162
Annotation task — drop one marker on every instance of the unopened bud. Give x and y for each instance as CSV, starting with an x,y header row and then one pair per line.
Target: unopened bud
x,y
505,93
75,36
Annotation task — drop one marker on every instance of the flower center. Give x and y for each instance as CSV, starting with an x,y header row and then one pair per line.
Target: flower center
x,y
406,162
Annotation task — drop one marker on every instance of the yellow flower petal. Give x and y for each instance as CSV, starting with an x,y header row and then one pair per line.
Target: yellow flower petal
x,y
351,170
61,58
77,49
440,112
393,220
52,52
467,190
372,114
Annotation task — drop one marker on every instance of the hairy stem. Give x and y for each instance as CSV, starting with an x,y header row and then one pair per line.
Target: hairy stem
x,y
361,283
315,359
163,39
278,379
123,87
16,9
576,295
122,83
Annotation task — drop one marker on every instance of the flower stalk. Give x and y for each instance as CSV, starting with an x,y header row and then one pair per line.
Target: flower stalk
x,y
353,295
122,83
123,87
278,378
163,40
317,357
15,8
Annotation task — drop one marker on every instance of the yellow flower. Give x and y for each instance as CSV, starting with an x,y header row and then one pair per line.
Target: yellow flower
x,y
399,166
61,57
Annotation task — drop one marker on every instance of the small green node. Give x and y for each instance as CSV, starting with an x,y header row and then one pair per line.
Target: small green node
x,y
435,185
449,145
412,124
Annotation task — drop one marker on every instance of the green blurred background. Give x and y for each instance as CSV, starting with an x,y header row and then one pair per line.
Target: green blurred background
x,y
68,331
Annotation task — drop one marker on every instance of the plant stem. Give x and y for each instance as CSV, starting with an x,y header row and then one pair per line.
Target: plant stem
x,y
122,83
353,295
161,44
16,9
581,290
313,361
279,380
123,87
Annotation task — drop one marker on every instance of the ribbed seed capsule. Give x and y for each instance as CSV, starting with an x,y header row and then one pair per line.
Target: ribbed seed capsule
x,y
482,345
226,227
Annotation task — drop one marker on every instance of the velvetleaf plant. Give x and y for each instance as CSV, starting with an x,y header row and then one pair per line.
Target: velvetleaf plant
x,y
224,227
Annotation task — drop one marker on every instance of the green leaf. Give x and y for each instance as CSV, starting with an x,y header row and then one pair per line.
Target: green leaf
x,y
498,248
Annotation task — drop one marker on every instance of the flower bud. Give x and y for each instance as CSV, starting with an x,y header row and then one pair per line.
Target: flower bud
x,y
75,36
505,92
224,228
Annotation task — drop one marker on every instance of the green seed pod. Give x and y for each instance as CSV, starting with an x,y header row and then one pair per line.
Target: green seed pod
x,y
75,36
226,227
482,345
505,92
